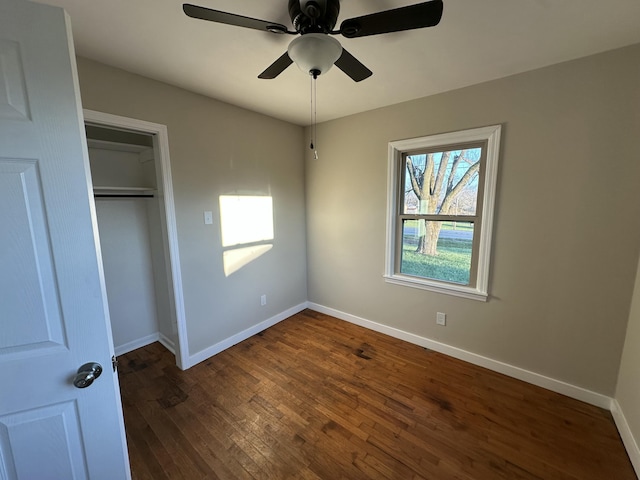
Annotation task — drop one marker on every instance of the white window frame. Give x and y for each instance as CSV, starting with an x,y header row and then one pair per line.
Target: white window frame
x,y
490,135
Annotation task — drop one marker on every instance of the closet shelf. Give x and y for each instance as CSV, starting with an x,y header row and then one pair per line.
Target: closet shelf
x,y
106,191
117,146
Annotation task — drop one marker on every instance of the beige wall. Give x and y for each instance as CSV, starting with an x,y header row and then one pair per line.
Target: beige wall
x,y
628,390
219,149
566,235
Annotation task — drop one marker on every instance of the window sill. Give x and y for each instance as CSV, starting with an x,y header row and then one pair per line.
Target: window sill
x,y
445,288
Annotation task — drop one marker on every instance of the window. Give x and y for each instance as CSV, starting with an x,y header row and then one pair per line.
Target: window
x,y
440,202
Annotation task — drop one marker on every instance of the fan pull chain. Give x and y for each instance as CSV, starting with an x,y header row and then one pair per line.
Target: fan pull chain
x,y
314,114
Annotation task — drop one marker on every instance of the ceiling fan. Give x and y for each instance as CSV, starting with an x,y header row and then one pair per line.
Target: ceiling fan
x,y
315,51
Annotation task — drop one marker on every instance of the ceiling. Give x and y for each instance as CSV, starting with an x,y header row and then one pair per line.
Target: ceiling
x,y
476,41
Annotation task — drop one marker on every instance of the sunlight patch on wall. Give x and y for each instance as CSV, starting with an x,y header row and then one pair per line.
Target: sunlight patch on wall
x,y
246,223
233,260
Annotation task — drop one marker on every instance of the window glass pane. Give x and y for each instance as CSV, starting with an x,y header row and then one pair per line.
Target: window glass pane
x,y
437,250
443,183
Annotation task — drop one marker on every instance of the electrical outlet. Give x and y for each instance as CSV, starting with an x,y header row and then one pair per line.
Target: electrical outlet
x,y
263,300
441,318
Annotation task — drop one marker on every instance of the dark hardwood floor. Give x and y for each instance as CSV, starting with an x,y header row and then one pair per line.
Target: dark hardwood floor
x,y
317,398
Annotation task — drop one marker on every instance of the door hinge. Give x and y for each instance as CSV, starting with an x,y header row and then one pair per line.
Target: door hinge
x,y
114,363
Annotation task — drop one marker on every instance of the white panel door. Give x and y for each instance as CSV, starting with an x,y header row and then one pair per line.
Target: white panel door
x,y
53,315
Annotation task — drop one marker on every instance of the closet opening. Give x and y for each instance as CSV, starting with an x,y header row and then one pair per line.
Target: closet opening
x,y
133,194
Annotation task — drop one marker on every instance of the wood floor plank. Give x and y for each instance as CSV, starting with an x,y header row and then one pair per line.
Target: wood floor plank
x,y
317,398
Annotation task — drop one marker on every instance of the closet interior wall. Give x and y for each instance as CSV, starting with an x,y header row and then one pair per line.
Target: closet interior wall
x,y
128,210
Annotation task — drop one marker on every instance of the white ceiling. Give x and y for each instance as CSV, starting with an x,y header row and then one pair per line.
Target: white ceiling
x,y
476,41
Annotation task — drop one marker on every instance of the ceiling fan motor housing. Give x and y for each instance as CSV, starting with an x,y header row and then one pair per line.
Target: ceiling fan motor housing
x,y
314,16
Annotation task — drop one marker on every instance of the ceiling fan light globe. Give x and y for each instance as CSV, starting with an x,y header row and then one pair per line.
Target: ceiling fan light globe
x,y
314,52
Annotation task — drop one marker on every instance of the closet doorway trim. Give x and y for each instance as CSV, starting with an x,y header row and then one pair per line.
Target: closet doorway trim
x,y
161,152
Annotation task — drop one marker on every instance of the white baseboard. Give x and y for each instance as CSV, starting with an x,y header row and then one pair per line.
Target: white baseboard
x,y
554,385
167,342
134,344
243,335
627,437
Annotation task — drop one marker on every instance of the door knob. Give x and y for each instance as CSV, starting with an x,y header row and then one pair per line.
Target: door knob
x,y
87,373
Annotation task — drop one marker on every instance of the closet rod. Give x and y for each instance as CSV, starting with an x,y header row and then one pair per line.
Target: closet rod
x,y
123,195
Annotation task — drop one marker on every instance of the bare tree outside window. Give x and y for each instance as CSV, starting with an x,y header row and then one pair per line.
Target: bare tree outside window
x,y
441,183
439,212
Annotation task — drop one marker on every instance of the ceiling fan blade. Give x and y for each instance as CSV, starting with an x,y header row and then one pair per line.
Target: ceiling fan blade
x,y
427,14
352,67
277,67
194,11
